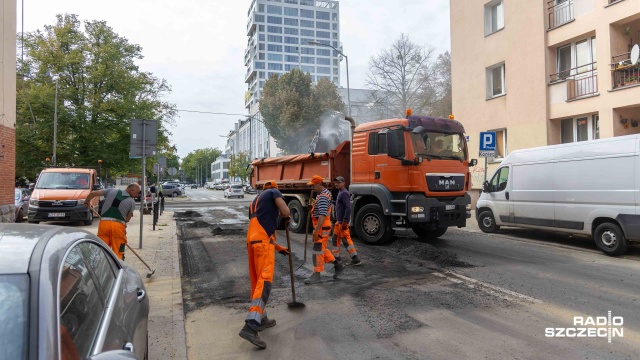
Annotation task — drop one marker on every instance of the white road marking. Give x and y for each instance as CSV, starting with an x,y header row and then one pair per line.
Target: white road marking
x,y
488,288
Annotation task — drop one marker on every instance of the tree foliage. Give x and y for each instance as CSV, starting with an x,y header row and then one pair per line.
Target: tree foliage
x,y
402,77
442,106
100,89
239,166
199,161
292,107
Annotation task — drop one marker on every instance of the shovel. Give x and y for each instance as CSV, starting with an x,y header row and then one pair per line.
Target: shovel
x,y
294,304
306,233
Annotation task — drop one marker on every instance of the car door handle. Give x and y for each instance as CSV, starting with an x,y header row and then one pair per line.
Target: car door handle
x,y
128,346
141,295
506,195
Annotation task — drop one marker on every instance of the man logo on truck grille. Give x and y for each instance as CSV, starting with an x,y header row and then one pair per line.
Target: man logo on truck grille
x,y
447,183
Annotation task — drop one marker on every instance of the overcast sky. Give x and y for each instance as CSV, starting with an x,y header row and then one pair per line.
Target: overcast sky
x,y
198,47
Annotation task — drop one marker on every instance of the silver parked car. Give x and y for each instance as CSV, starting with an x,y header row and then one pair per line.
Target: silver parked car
x,y
234,190
65,295
22,203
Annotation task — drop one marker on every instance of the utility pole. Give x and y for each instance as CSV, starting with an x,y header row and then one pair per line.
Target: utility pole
x,y
55,126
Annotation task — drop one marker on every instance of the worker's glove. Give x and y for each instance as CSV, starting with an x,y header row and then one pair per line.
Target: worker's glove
x,y
286,221
316,236
284,251
344,225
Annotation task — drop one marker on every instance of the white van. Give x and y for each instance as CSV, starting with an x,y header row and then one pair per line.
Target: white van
x,y
589,187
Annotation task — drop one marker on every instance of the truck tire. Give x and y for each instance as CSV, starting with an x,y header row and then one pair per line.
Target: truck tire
x,y
298,215
372,225
487,222
425,233
610,239
90,220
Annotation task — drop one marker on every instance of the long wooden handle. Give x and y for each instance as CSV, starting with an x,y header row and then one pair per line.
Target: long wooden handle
x,y
136,254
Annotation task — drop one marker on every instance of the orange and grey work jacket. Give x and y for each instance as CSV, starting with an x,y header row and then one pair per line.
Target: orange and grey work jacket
x,y
256,233
326,225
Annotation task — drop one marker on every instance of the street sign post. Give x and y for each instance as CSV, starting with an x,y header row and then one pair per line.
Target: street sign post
x,y
487,147
143,143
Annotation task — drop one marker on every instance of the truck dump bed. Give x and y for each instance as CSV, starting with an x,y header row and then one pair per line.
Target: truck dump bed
x,y
295,171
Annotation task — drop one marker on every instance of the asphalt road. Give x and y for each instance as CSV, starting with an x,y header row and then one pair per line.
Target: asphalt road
x,y
467,295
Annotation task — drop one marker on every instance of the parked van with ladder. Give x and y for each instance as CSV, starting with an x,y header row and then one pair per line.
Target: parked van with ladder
x,y
590,188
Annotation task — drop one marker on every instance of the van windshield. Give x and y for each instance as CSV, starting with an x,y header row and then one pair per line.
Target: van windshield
x,y
63,180
439,145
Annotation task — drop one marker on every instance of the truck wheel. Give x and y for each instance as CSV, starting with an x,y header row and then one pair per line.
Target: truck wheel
x,y
610,239
298,215
423,232
372,226
90,220
487,222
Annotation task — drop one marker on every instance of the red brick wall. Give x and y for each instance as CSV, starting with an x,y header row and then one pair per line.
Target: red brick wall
x,y
7,165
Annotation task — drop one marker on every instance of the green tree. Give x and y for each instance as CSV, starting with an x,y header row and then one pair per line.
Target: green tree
x,y
291,108
100,90
239,166
199,160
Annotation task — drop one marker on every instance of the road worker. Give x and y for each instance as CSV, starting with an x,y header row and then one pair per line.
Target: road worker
x,y
321,228
261,243
341,233
116,211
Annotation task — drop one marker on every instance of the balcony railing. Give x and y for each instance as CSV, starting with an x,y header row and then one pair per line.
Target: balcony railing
x,y
581,81
623,72
559,12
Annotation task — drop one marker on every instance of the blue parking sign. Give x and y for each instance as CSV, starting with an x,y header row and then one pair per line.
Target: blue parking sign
x,y
488,141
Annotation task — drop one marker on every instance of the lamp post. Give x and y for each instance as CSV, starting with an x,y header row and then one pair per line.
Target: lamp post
x,y
317,43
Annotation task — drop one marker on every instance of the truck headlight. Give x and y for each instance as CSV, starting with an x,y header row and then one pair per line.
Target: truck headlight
x,y
417,209
33,202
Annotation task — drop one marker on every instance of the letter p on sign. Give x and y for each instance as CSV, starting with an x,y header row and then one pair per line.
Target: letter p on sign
x,y
488,141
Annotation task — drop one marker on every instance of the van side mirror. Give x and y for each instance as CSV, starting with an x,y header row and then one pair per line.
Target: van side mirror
x,y
96,187
473,162
486,187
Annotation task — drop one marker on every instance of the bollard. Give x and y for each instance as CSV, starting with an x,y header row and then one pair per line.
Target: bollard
x,y
161,204
155,213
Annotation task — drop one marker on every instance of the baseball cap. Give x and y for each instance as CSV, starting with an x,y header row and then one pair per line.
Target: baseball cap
x,y
270,185
316,179
339,179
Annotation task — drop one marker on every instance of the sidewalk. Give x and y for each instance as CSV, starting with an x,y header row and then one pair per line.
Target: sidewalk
x,y
164,288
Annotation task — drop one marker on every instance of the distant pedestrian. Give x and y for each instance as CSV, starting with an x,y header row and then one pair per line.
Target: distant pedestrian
x,y
261,243
321,228
116,212
341,232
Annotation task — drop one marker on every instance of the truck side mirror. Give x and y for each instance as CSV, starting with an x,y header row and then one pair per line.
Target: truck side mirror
x,y
395,144
473,162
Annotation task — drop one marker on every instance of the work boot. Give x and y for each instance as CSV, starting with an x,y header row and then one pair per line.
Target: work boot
x,y
251,335
355,260
338,267
266,323
313,279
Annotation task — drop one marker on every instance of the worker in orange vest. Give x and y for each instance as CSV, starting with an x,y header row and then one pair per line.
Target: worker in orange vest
x,y
261,243
341,232
321,229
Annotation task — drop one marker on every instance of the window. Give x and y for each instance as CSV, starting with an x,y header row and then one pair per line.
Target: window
x,y
81,306
323,15
260,7
291,49
323,61
261,37
495,81
500,179
102,265
290,40
275,66
307,51
323,34
323,25
291,22
323,52
291,58
576,58
259,18
305,32
274,38
493,17
291,1
307,60
274,9
564,61
274,48
289,67
290,31
274,57
274,29
596,127
334,27
274,20
308,69
260,56
580,129
290,11
306,2
306,13
259,65
323,70
307,23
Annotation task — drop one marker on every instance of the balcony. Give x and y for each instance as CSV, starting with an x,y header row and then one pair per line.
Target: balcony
x,y
581,81
623,72
560,12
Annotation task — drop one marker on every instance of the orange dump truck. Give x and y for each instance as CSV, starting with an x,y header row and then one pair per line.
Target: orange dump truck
x,y
401,173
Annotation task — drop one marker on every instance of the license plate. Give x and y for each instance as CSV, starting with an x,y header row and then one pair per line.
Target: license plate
x,y
450,207
56,215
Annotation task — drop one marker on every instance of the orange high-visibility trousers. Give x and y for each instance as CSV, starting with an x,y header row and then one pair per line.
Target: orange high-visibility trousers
x,y
322,255
343,237
114,234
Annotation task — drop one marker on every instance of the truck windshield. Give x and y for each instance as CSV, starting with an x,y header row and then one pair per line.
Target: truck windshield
x,y
439,145
14,305
63,180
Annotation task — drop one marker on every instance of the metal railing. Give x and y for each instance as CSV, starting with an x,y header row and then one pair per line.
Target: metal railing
x,y
581,81
623,73
559,12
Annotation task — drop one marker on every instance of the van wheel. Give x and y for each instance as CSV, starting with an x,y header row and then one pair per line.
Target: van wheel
x,y
372,226
90,220
298,214
487,222
423,232
610,239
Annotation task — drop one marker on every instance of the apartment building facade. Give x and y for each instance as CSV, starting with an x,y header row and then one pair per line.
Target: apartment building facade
x,y
220,169
544,72
8,112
